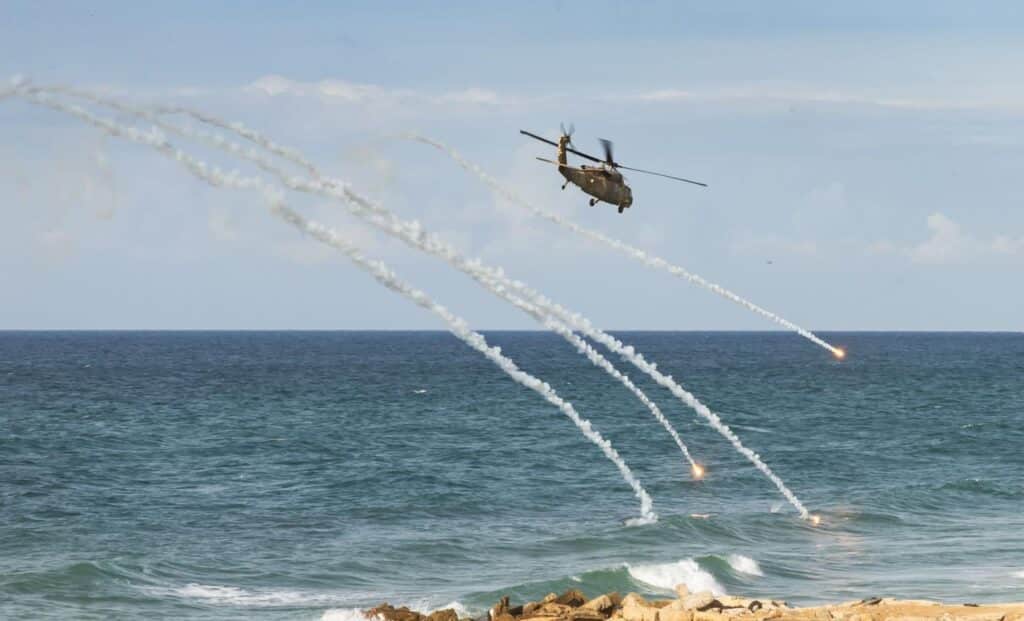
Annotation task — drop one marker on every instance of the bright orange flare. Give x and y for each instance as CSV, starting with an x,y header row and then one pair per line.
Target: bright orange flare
x,y
839,352
698,471
815,519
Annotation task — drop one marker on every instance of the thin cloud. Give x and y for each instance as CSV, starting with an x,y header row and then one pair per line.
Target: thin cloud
x,y
342,91
949,244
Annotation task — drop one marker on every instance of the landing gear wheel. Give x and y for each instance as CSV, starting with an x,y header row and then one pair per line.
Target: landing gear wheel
x,y
593,202
565,184
621,208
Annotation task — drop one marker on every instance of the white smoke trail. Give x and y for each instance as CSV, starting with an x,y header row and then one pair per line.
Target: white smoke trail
x,y
495,280
495,286
377,269
628,250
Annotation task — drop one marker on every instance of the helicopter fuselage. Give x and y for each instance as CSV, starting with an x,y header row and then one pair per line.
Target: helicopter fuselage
x,y
604,183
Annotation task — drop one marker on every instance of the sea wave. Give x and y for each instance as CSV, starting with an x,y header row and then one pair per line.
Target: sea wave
x,y
235,596
356,614
667,575
744,564
343,614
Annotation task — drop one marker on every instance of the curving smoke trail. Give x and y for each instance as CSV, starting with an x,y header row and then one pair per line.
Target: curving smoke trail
x,y
495,280
377,269
495,286
630,251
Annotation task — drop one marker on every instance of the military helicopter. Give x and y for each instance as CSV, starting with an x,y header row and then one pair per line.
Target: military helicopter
x,y
603,182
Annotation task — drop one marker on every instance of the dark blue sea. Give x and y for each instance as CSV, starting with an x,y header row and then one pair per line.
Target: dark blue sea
x,y
300,475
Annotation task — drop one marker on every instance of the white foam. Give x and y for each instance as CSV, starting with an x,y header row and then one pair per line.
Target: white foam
x,y
1018,574
667,575
235,596
343,614
744,564
643,520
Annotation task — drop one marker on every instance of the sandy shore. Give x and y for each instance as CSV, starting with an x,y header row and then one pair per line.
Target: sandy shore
x,y
575,606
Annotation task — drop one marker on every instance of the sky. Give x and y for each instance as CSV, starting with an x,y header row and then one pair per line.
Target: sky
x,y
863,161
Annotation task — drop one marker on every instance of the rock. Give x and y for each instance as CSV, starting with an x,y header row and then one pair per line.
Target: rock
x,y
632,598
550,597
701,601
673,612
728,601
635,608
448,614
529,608
387,612
682,591
602,604
572,597
501,608
553,610
586,614
660,603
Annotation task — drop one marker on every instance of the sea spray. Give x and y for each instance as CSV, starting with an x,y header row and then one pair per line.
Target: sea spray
x,y
414,234
666,576
630,251
377,269
744,565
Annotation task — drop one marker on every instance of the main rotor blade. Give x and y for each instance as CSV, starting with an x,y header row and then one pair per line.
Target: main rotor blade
x,y
651,172
607,144
560,165
555,144
583,155
535,136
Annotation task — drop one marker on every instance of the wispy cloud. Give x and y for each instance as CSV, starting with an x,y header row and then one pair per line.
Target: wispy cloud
x,y
810,95
948,244
342,91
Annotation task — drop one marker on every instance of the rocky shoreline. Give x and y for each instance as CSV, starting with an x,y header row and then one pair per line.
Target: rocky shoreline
x,y
573,605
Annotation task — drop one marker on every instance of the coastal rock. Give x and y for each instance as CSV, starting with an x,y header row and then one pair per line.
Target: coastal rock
x,y
682,591
602,604
673,612
633,599
636,608
585,614
387,612
448,614
550,597
701,601
553,610
502,611
529,608
572,597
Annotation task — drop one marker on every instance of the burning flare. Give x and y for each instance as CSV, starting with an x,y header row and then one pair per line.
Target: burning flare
x,y
698,471
839,352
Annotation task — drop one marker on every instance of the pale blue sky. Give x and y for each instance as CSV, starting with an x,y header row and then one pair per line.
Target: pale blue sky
x,y
871,151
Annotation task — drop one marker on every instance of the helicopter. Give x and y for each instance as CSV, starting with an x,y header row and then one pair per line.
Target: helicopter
x,y
603,182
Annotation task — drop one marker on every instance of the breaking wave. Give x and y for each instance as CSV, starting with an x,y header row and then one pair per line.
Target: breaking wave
x,y
744,565
667,575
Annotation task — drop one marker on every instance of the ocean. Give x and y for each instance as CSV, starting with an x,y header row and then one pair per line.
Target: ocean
x,y
304,475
